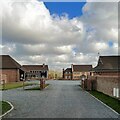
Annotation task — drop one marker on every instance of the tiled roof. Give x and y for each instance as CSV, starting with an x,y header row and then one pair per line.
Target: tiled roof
x,y
7,62
105,63
82,68
35,67
68,70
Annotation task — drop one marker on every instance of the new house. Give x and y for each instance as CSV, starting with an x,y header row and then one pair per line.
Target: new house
x,y
106,76
80,70
10,69
107,66
76,72
67,74
36,71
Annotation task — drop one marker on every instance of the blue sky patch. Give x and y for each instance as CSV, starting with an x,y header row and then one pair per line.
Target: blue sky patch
x,y
73,9
110,43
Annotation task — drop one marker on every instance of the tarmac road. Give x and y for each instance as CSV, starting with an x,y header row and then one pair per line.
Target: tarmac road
x,y
61,99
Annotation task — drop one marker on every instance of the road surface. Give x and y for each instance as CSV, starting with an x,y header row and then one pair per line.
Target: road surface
x,y
61,99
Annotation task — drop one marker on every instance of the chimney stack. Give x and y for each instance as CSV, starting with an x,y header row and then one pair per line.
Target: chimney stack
x,y
72,67
43,65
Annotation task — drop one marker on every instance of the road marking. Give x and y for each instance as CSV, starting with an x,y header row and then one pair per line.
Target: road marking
x,y
12,107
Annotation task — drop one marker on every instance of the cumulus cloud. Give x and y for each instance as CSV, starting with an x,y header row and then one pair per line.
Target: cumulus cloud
x,y
33,36
101,25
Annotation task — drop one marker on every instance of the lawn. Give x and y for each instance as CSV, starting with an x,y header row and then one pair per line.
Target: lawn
x,y
36,88
14,85
4,107
110,101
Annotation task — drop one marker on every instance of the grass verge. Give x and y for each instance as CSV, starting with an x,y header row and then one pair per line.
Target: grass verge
x,y
14,85
36,88
110,101
4,107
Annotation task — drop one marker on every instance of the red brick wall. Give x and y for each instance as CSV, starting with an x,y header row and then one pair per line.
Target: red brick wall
x,y
107,73
67,75
12,75
106,84
91,83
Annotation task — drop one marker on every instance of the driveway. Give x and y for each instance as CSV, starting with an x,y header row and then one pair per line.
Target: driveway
x,y
61,99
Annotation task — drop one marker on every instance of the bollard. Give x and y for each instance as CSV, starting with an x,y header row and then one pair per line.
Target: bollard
x,y
44,83
41,84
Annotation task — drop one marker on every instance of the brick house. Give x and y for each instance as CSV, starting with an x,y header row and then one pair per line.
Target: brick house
x,y
36,71
67,74
107,66
76,72
106,76
80,70
10,70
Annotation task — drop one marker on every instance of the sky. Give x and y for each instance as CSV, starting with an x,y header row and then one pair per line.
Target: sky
x,y
72,9
58,34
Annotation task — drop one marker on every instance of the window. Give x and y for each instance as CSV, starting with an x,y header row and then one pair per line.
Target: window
x,y
36,76
76,72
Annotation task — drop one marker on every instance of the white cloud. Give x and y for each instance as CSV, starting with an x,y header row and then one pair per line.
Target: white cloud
x,y
103,19
33,36
64,49
100,46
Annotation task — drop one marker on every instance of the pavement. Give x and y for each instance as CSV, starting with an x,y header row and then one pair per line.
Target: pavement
x,y
61,99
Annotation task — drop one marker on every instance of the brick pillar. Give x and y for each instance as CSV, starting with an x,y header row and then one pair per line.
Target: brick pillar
x,y
18,75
